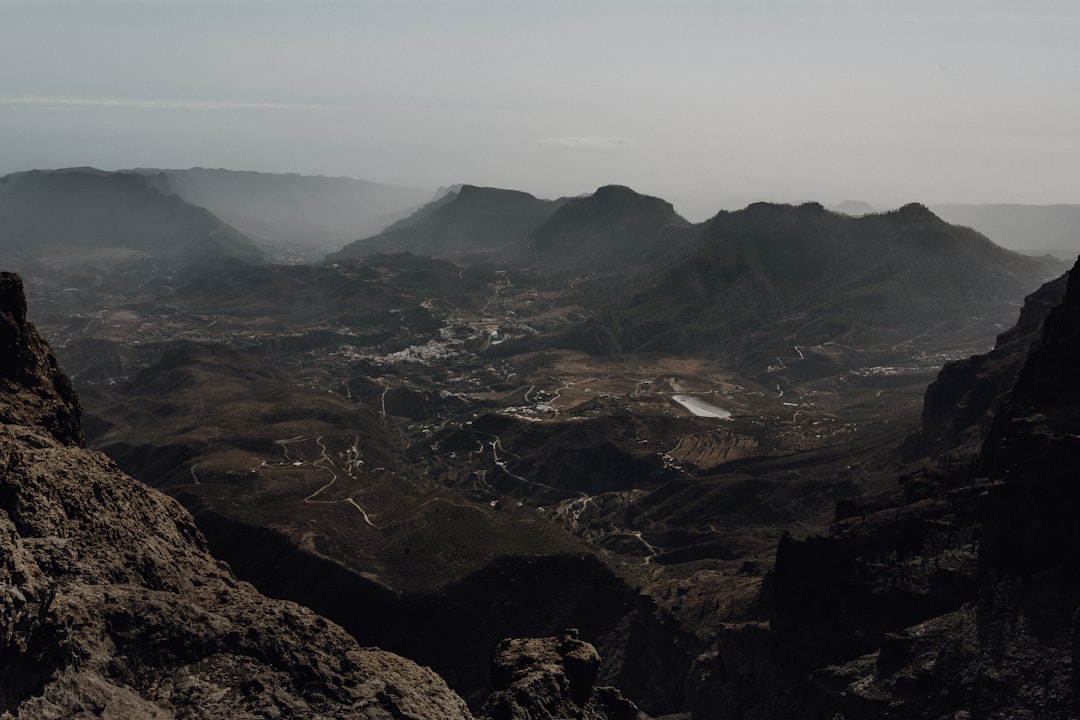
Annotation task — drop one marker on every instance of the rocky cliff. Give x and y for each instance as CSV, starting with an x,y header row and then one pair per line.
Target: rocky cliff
x,y
960,599
966,391
34,390
552,677
111,605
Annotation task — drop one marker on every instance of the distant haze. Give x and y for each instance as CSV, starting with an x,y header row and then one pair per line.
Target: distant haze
x,y
707,103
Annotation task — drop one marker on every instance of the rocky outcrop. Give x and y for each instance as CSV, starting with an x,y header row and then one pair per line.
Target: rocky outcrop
x,y
112,606
959,404
552,677
33,389
1034,447
1011,648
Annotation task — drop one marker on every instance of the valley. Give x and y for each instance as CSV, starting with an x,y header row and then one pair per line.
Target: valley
x,y
659,433
424,441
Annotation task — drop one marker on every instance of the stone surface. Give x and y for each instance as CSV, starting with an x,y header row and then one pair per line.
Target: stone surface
x,y
552,677
34,390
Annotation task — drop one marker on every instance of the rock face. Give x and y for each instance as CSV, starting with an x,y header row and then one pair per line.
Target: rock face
x,y
34,390
1033,446
111,605
1013,650
553,677
966,391
1005,643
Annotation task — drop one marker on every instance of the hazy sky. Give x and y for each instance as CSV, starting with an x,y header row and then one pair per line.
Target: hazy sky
x,y
703,103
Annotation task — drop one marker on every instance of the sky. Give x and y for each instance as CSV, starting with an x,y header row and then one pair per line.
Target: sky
x,y
708,104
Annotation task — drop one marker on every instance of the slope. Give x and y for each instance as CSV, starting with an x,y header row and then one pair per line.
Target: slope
x,y
770,277
614,227
293,217
475,223
82,210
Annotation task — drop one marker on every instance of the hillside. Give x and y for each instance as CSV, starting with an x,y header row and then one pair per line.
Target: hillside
x,y
112,605
762,280
767,286
81,210
293,217
472,224
613,227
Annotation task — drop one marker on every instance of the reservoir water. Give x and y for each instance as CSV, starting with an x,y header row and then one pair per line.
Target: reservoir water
x,y
699,407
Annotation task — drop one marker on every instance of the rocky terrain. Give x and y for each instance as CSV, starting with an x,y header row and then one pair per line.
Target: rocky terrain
x,y
960,402
114,607
958,598
438,454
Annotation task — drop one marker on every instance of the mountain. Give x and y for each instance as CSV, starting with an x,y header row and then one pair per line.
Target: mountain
x,y
1032,447
770,277
113,606
293,217
796,287
62,213
1032,229
613,227
474,223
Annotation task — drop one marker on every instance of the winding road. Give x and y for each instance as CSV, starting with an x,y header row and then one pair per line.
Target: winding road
x,y
325,463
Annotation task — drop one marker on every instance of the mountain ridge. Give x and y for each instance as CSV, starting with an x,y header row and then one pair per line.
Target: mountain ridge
x,y
809,276
474,222
43,212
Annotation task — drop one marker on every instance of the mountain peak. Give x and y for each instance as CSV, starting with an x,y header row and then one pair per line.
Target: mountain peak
x,y
915,210
479,192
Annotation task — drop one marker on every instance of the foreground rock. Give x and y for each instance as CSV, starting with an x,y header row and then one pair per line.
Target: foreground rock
x,y
111,605
553,677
